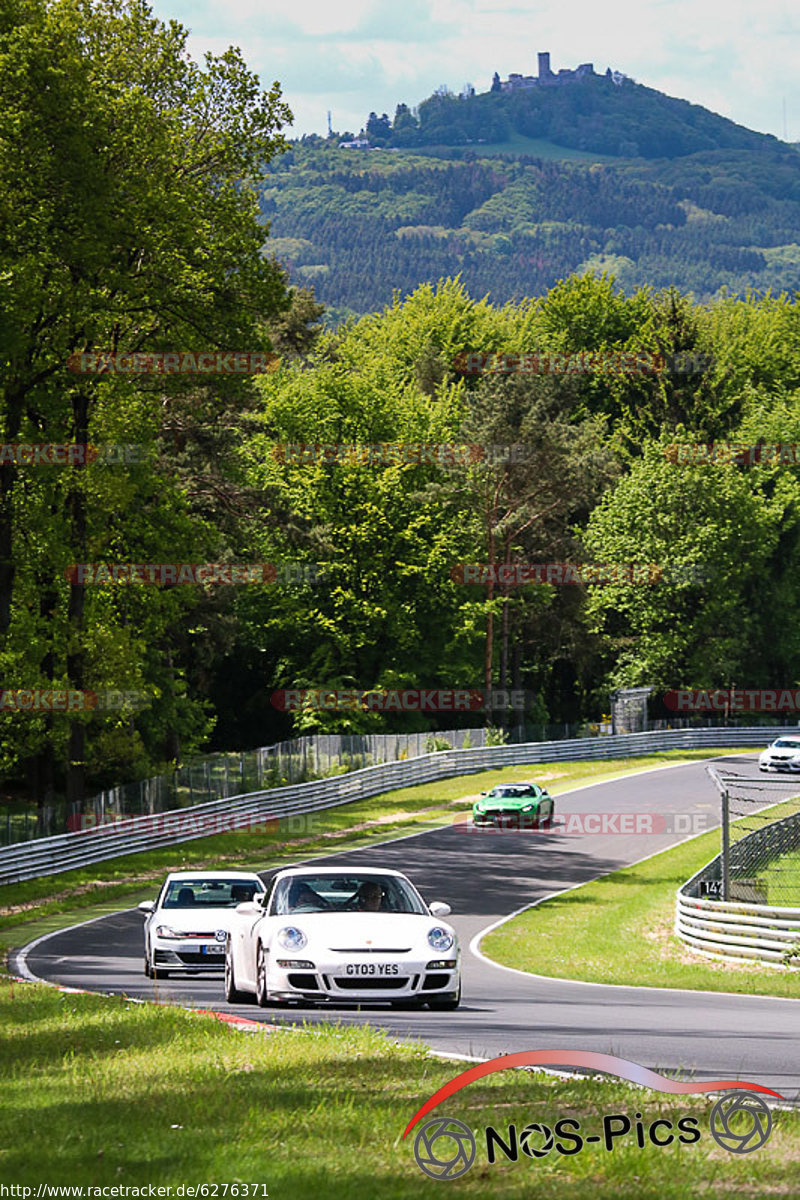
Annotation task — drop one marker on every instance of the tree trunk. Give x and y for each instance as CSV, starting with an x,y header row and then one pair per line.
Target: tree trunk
x,y
76,655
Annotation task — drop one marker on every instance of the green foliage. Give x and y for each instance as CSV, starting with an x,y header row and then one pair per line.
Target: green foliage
x,y
141,182
721,220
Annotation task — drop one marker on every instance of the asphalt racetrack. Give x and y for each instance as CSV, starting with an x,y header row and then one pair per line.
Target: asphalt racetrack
x,y
485,876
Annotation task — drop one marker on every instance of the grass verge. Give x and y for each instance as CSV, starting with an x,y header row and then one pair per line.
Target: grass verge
x,y
101,1092
38,906
619,929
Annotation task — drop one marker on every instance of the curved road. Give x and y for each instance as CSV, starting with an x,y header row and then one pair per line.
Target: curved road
x,y
485,876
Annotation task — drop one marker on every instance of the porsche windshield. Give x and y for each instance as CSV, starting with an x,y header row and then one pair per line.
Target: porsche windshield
x,y
314,893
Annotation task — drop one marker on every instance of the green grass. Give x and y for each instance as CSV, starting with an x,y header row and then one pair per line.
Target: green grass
x,y
781,880
98,1091
516,144
38,906
619,930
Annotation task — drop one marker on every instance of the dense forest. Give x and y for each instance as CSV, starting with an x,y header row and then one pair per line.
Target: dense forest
x,y
360,225
164,251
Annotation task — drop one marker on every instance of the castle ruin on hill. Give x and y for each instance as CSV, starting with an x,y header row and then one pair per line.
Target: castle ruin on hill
x,y
549,78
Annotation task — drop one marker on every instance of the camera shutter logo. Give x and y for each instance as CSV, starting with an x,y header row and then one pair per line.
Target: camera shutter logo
x,y
752,1113
527,1140
444,1148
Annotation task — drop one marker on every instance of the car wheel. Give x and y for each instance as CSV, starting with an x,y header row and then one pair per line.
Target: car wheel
x,y
446,1005
232,993
150,971
262,993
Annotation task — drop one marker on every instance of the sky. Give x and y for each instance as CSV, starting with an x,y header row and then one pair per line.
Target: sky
x,y
736,57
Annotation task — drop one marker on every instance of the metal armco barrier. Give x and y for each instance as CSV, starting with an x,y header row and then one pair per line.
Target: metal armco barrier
x,y
64,852
733,928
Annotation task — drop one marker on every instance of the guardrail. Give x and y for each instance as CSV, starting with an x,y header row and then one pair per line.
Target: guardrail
x,y
741,929
64,852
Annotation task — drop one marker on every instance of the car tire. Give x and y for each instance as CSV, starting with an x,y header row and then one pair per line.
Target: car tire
x,y
232,994
446,1005
150,971
262,992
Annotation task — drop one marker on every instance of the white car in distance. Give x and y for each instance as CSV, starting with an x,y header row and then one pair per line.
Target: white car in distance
x,y
343,935
187,926
782,755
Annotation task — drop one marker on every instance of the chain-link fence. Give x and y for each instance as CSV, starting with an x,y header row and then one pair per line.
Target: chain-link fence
x,y
316,756
218,776
760,860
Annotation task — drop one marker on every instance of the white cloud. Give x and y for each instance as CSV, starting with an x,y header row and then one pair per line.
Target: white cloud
x,y
358,55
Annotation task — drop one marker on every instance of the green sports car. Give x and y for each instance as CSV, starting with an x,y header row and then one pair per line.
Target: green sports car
x,y
514,806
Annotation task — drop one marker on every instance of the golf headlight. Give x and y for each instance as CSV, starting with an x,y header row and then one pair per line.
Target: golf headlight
x,y
166,931
291,938
440,939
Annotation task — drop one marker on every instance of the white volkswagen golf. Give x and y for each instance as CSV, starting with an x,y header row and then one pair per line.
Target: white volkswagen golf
x,y
187,926
344,935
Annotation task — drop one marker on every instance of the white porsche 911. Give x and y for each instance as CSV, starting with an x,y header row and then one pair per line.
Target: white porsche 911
x,y
344,935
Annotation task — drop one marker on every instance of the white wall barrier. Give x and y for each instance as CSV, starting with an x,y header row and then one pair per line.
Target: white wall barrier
x,y
52,855
736,929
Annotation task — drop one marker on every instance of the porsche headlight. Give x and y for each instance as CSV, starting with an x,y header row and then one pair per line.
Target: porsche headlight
x,y
528,808
291,938
439,938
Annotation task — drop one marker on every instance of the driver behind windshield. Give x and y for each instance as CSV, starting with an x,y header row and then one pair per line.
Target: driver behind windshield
x,y
369,896
301,895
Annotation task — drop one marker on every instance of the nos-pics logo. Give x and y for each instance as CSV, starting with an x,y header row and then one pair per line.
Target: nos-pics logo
x,y
446,1148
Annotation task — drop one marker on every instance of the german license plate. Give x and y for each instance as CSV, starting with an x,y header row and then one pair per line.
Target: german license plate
x,y
372,969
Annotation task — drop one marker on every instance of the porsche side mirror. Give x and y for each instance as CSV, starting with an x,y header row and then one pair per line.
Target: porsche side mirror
x,y
439,909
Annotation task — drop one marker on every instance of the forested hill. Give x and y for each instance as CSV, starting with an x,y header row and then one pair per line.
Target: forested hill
x,y
717,211
592,113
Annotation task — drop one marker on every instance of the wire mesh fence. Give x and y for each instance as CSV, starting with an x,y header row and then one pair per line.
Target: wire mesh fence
x,y
760,861
317,756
